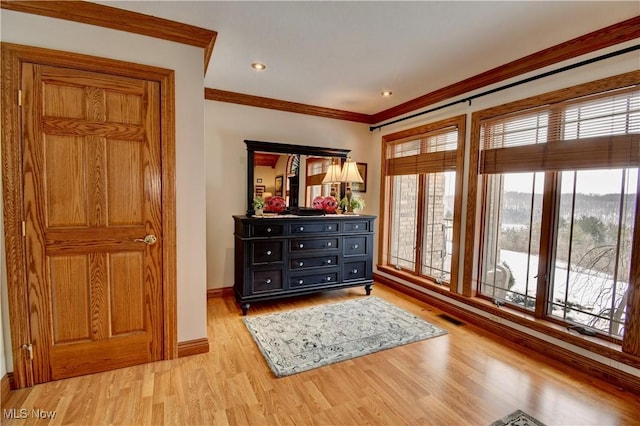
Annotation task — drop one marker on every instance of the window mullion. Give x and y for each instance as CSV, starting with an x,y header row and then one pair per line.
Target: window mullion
x,y
550,220
531,225
618,247
548,238
497,196
630,342
571,242
420,222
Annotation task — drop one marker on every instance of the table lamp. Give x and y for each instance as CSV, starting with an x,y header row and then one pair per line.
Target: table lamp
x,y
332,176
349,175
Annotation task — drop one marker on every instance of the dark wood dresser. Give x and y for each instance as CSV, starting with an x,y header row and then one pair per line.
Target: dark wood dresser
x,y
282,256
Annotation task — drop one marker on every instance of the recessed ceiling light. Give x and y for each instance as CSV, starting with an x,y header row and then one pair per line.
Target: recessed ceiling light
x,y
386,93
258,66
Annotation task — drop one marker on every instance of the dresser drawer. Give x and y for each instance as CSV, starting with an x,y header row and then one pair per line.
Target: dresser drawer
x,y
267,251
314,228
301,245
315,279
354,270
355,226
266,230
354,246
267,280
313,262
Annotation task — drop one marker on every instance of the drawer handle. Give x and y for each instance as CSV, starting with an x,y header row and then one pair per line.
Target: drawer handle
x,y
300,281
300,263
356,226
268,281
354,271
328,278
268,252
301,228
329,244
355,246
329,228
268,230
300,245
329,261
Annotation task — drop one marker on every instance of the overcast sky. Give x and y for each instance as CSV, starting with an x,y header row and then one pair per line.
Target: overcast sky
x,y
589,182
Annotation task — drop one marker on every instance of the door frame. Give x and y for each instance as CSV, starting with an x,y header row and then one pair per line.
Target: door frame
x,y
13,55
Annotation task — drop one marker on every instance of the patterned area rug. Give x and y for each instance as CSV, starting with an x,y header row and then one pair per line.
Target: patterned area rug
x,y
517,418
304,339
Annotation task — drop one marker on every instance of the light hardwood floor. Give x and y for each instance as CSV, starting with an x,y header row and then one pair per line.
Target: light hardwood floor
x,y
467,377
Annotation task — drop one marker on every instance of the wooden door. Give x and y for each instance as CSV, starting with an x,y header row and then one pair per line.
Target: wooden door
x,y
92,192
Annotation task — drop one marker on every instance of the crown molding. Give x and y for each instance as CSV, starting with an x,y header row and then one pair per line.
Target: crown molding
x,y
119,19
596,40
270,103
609,36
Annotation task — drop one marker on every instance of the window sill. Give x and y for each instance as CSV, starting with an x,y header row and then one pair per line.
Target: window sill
x,y
547,327
595,345
421,281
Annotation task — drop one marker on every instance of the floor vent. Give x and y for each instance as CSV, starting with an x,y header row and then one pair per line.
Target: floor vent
x,y
452,320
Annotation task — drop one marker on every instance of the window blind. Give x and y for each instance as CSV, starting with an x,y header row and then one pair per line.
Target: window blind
x,y
596,131
431,152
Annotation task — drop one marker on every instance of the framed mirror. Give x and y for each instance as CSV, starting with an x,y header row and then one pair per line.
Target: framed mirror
x,y
288,164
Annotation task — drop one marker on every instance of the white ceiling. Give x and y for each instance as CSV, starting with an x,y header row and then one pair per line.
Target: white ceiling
x,y
343,54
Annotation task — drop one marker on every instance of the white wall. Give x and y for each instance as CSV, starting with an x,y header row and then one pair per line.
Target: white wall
x,y
610,67
226,128
187,62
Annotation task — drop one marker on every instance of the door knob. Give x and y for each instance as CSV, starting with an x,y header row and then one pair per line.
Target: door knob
x,y
148,240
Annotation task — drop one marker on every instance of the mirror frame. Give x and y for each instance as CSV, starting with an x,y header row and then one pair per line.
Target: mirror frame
x,y
282,148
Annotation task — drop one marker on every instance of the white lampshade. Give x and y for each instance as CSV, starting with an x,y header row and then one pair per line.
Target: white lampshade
x,y
350,172
333,174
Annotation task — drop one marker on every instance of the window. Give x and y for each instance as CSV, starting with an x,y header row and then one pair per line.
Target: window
x,y
558,193
589,274
421,211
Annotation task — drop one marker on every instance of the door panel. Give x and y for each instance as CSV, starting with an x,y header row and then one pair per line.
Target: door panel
x,y
65,185
125,177
123,108
70,301
64,101
127,293
92,188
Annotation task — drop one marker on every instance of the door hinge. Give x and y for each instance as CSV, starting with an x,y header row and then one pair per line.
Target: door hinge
x,y
29,349
19,97
24,228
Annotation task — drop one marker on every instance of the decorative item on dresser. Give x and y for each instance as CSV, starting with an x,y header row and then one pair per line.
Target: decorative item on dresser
x,y
350,175
258,205
282,256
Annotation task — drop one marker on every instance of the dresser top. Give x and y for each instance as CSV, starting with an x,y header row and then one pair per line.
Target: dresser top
x,y
293,217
